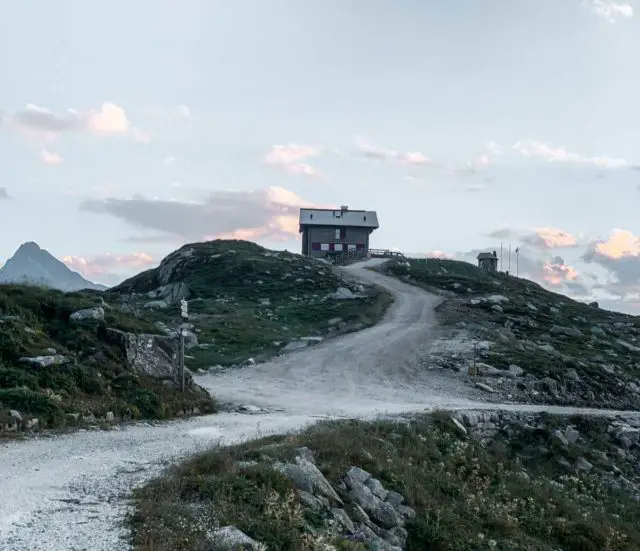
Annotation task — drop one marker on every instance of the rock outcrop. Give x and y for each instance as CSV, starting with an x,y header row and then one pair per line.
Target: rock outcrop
x,y
151,355
360,506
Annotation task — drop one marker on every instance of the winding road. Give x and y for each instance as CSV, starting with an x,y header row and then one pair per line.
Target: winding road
x,y
70,492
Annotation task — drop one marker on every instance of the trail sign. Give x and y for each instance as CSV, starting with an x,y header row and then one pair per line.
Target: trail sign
x,y
184,309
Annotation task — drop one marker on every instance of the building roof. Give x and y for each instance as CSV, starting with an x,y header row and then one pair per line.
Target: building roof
x,y
482,256
339,217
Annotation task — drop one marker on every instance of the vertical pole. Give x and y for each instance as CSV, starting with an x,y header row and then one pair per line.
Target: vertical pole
x,y
517,264
181,361
500,255
509,257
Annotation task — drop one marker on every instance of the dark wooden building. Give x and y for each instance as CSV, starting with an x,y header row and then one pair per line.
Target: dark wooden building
x,y
326,232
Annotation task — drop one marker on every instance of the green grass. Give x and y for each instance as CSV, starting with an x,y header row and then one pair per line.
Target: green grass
x,y
512,495
32,320
245,302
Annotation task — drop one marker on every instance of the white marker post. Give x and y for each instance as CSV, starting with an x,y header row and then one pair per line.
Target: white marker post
x,y
184,313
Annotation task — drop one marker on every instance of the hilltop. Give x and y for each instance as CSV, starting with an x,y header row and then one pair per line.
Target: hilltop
x,y
247,303
31,265
521,342
98,357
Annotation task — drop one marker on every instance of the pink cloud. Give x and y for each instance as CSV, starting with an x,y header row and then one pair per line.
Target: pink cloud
x,y
292,158
560,154
109,119
621,243
555,238
611,10
281,226
557,273
389,155
107,262
50,158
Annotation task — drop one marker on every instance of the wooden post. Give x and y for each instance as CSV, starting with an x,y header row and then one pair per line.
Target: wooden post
x,y
181,361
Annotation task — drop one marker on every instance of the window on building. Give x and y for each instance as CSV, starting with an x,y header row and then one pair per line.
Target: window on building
x,y
338,247
341,233
338,233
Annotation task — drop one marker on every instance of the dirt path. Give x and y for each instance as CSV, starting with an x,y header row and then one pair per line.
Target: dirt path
x,y
69,493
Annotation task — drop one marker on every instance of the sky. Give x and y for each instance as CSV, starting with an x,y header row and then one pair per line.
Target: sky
x,y
130,128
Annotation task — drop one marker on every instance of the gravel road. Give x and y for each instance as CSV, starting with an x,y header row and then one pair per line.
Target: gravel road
x,y
70,492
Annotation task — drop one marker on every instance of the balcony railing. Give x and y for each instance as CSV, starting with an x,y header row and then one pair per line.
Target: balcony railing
x,y
350,256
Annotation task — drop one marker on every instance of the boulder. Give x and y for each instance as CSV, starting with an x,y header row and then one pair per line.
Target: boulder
x,y
230,538
571,435
567,331
343,519
45,361
151,355
171,293
95,314
306,476
342,293
156,305
377,488
515,371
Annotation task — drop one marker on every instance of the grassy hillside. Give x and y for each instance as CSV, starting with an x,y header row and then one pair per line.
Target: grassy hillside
x,y
571,353
245,302
475,482
88,377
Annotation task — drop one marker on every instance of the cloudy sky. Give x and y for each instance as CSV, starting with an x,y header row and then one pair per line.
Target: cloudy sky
x,y
129,129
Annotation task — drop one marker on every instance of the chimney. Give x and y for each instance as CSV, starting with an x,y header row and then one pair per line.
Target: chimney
x,y
344,208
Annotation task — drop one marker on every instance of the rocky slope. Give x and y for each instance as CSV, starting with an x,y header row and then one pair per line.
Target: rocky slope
x,y
520,342
96,358
447,482
31,265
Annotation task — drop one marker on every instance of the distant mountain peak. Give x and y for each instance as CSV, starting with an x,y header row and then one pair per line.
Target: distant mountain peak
x,y
33,265
29,246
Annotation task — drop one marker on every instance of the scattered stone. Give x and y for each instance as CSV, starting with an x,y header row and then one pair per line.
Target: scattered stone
x,y
95,314
306,454
515,370
156,305
377,488
342,293
567,331
306,476
229,538
310,500
343,519
110,417
394,498
583,465
484,387
45,361
571,435
559,438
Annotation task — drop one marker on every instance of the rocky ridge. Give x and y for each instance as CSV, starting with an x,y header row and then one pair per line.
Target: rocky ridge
x,y
519,342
